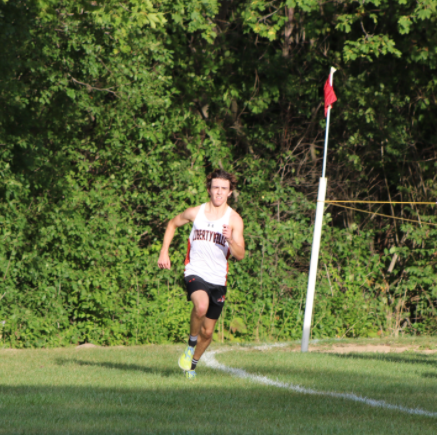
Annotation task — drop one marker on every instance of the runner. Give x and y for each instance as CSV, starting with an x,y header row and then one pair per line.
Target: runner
x,y
217,232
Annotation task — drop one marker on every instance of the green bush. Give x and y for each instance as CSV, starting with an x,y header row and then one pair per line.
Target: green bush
x,y
113,113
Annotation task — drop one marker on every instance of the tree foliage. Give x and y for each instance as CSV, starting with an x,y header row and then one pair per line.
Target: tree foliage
x,y
113,112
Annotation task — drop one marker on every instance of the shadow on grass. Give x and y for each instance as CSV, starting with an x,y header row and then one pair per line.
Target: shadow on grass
x,y
120,366
429,360
187,408
429,375
391,357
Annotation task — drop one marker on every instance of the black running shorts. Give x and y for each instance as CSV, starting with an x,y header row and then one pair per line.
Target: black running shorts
x,y
216,293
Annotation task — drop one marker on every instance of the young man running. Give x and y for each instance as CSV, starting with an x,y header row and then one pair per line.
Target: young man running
x,y
217,232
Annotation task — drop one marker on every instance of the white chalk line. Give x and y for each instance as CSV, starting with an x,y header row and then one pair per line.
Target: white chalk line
x,y
210,361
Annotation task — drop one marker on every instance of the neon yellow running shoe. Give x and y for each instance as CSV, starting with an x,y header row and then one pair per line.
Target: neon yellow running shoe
x,y
191,374
186,358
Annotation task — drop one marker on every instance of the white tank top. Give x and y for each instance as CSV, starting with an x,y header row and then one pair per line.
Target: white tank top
x,y
208,250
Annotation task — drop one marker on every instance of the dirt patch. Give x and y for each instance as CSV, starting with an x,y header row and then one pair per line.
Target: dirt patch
x,y
86,346
428,351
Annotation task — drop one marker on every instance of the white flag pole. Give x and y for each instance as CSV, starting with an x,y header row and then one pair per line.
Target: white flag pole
x,y
316,239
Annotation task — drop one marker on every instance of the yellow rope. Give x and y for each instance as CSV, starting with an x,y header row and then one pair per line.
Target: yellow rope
x,y
380,214
384,202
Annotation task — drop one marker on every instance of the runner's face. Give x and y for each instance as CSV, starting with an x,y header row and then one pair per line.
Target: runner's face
x,y
220,190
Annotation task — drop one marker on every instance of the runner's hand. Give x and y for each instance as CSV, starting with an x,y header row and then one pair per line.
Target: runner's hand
x,y
164,261
227,232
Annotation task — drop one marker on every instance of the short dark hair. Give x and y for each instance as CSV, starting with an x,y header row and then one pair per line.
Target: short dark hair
x,y
220,173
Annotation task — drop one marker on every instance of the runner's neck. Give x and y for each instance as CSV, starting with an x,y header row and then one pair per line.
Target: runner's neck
x,y
213,213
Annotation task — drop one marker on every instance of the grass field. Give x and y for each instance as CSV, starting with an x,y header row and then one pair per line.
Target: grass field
x,y
140,390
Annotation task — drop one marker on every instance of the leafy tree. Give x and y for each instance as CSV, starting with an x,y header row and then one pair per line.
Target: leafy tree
x,y
114,111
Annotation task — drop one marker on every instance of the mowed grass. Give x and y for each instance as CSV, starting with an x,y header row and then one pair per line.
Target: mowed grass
x,y
140,390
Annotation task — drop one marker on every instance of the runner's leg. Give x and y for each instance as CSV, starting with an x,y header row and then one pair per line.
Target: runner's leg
x,y
216,304
200,301
205,337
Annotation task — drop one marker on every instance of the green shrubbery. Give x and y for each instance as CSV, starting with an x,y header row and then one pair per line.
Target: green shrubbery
x,y
112,113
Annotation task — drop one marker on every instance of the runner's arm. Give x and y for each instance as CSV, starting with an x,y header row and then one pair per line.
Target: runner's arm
x,y
181,219
236,239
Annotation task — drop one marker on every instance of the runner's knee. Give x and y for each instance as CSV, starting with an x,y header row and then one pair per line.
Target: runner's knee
x,y
200,309
207,333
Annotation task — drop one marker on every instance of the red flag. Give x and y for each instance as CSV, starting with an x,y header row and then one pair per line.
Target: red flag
x,y
330,97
